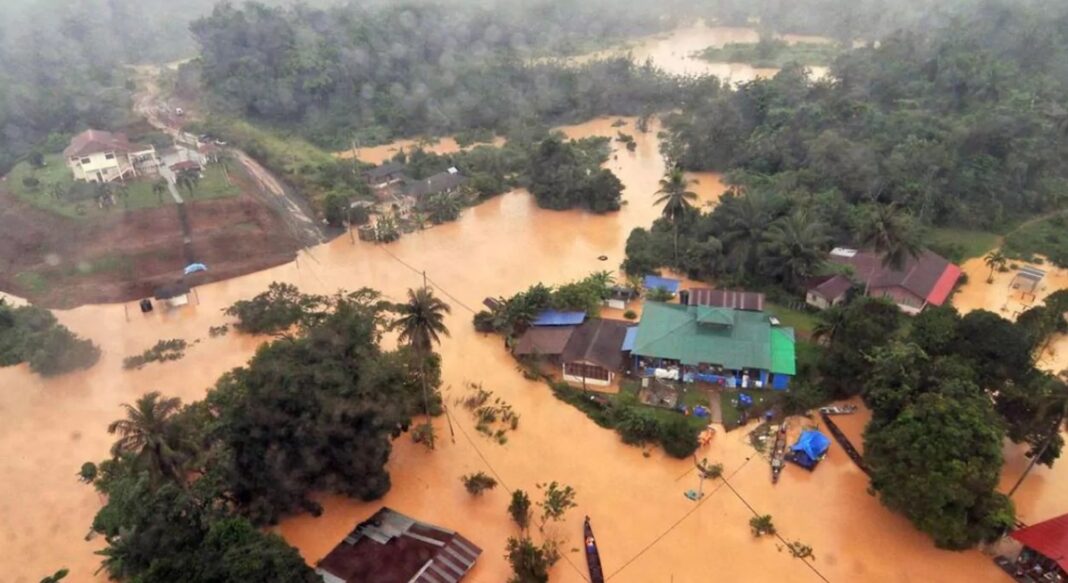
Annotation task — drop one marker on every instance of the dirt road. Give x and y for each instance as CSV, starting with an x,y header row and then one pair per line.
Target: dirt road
x,y
294,210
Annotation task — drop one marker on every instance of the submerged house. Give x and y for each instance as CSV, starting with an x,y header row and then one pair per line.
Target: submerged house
x,y
446,182
734,348
588,351
384,175
390,547
926,280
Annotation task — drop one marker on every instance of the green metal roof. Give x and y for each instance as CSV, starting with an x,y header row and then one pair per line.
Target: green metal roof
x,y
783,358
734,339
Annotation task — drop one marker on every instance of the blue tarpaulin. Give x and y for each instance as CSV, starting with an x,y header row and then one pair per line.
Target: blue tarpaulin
x,y
744,399
628,340
195,267
813,444
664,283
554,318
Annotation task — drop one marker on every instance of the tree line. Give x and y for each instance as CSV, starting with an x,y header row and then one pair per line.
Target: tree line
x,y
316,409
33,335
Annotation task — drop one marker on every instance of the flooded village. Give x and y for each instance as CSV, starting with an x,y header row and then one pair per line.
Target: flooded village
x,y
655,517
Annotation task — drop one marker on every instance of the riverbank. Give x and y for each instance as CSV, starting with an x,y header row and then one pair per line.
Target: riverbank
x,y
647,529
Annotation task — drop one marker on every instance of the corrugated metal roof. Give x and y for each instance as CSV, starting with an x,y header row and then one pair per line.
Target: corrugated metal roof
x,y
723,298
657,282
783,351
1049,538
673,331
628,340
555,318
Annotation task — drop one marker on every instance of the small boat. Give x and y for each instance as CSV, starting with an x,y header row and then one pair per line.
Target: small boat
x,y
778,452
593,557
839,410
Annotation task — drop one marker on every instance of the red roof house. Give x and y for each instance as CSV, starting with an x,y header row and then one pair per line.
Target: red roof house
x,y
1049,539
390,547
922,281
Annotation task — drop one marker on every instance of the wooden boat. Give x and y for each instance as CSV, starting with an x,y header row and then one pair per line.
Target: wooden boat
x,y
593,557
778,452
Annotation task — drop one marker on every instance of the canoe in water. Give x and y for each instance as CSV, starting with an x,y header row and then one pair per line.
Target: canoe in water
x,y
593,557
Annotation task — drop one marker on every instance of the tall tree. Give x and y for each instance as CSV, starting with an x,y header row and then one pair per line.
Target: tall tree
x,y
795,248
995,260
421,322
677,201
151,434
888,232
746,221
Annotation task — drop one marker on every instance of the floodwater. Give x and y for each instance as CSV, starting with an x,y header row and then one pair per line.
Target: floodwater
x,y
1000,297
647,530
379,154
672,52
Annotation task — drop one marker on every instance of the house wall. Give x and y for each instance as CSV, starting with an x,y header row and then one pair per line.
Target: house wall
x,y
569,376
907,301
814,299
88,167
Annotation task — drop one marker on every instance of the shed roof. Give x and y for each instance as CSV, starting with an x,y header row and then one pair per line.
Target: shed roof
x,y
555,318
96,141
664,283
831,287
675,332
173,290
390,547
385,170
1049,538
441,182
723,298
543,340
631,337
598,341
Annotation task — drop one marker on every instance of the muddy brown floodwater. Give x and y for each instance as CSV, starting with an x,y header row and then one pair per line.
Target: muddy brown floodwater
x,y
648,531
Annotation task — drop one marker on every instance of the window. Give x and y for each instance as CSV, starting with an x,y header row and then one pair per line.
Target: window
x,y
589,371
109,156
86,160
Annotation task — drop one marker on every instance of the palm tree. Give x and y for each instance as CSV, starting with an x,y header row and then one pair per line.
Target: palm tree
x,y
748,218
421,321
796,247
676,199
888,232
151,434
831,321
995,260
187,179
1056,402
159,187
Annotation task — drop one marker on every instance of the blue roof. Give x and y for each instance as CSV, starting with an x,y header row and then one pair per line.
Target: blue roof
x,y
665,283
813,443
630,338
554,318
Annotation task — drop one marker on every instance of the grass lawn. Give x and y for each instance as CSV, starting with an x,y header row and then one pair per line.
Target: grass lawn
x,y
801,322
762,400
1048,237
960,245
53,174
213,184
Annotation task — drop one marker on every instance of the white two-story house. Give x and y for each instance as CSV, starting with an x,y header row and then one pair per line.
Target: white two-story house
x,y
99,156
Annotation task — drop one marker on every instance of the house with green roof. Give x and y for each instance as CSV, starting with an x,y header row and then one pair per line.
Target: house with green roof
x,y
735,348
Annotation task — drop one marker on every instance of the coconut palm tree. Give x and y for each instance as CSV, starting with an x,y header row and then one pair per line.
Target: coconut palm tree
x,y
151,434
995,260
795,248
160,187
831,321
421,322
677,201
748,219
889,233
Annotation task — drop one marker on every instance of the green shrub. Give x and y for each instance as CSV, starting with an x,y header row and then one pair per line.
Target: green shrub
x,y
478,483
678,437
31,334
630,315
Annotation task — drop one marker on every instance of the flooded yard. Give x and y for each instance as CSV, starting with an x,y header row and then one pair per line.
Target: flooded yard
x,y
647,530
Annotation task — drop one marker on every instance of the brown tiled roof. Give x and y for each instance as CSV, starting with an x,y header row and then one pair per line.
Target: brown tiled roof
x,y
722,298
597,341
831,287
919,275
96,141
393,548
543,340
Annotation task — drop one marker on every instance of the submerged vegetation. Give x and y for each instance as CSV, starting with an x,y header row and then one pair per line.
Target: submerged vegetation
x,y
33,335
187,483
163,351
771,53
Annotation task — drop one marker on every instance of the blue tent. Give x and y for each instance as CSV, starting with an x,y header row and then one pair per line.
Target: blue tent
x,y
813,444
195,267
744,400
554,318
664,283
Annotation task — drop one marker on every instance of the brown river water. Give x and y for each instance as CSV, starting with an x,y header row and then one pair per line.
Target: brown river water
x,y
647,530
